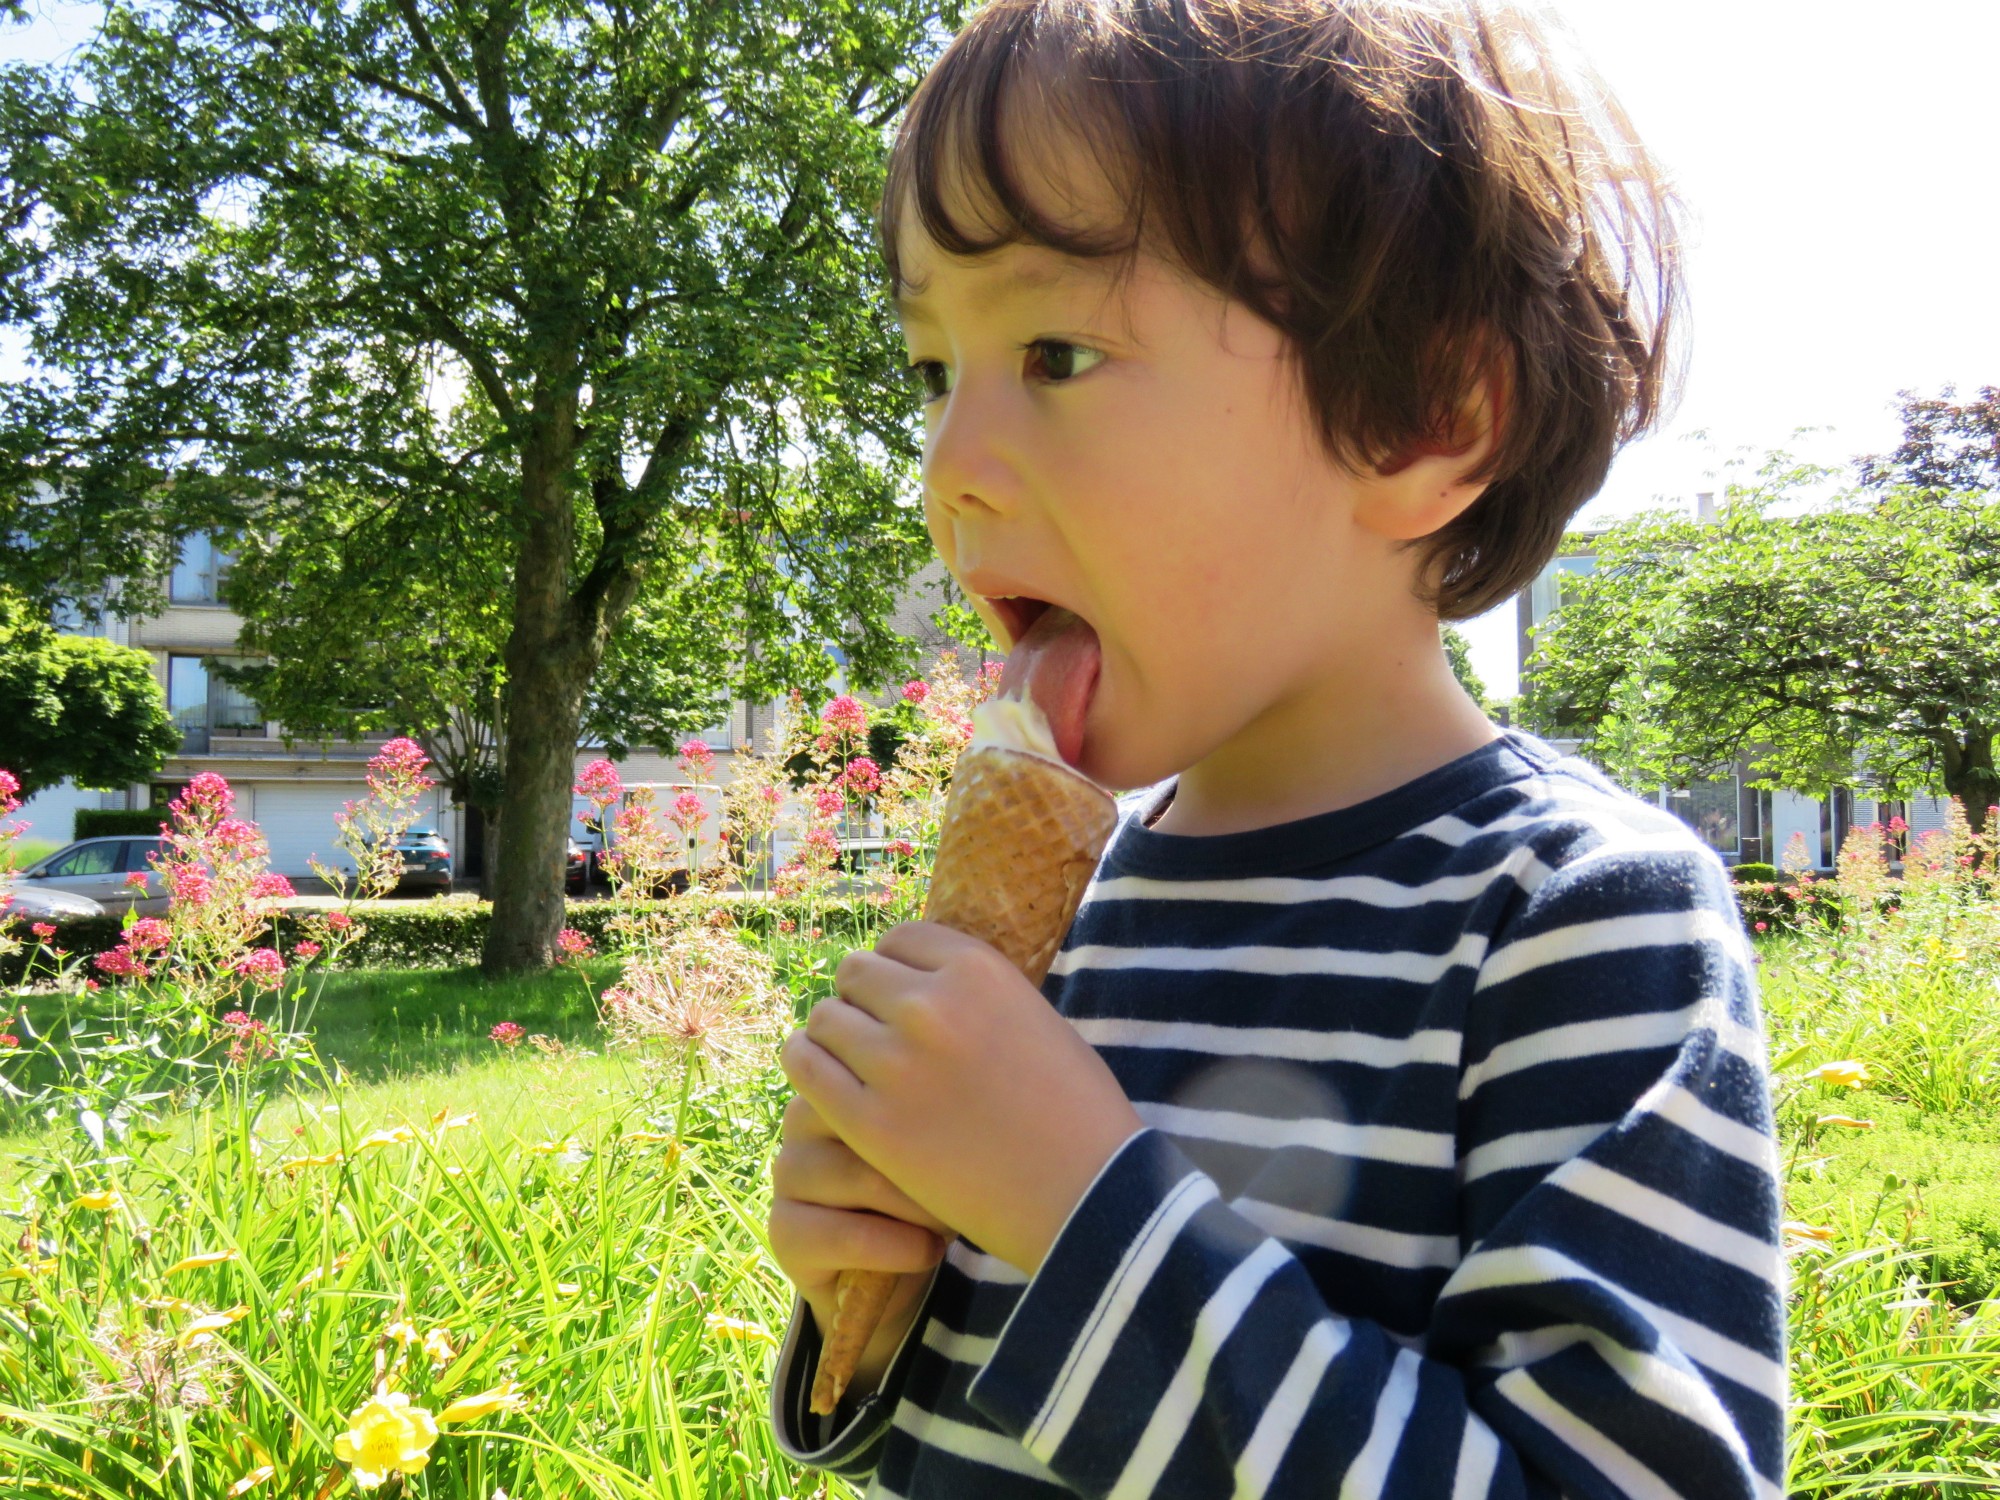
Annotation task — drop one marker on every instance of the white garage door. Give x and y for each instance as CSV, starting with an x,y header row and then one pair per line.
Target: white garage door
x,y
298,824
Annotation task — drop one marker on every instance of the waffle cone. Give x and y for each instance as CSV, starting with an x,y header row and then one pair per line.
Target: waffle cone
x,y
1021,838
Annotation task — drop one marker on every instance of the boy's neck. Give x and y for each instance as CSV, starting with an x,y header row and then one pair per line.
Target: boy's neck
x,y
1334,745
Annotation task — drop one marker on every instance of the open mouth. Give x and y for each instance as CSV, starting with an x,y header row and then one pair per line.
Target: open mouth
x,y
1017,614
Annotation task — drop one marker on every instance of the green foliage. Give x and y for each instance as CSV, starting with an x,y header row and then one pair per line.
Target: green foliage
x,y
1458,650
1753,870
1862,631
533,345
104,822
76,706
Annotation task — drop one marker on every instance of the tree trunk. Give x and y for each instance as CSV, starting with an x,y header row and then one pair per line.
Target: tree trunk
x,y
1969,774
489,848
550,656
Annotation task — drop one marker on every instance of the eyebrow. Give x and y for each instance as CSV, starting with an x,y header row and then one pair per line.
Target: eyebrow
x,y
997,292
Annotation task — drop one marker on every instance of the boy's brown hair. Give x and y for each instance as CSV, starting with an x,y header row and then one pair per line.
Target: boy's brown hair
x,y
1414,191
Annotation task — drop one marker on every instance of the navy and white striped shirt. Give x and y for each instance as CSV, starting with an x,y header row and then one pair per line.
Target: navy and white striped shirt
x,y
1458,1177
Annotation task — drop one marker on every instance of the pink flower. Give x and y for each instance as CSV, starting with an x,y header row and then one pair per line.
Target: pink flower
x,y
769,794
92,984
828,802
862,776
790,879
786,924
251,1037
402,762
8,1041
264,967
1898,826
136,881
272,886
44,930
845,715
574,944
236,836
617,1000
208,794
339,921
916,690
121,963
814,933
240,1020
305,949
508,1034
698,760
10,791
599,782
148,935
902,848
822,842
689,812
1763,926
189,885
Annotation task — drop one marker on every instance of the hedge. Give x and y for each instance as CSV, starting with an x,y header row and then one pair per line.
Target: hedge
x,y
1752,870
450,934
103,822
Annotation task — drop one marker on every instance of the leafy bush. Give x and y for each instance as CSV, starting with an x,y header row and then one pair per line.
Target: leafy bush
x,y
105,822
1753,870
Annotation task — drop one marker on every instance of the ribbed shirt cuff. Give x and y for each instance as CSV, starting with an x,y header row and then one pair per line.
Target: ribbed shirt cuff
x,y
851,1448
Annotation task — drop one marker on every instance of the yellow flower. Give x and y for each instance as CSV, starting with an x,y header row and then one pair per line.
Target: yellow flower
x,y
31,1268
506,1397
339,1264
405,1334
205,1258
549,1148
386,1436
725,1327
445,1120
250,1481
395,1135
1848,1121
1795,1230
105,1202
568,1288
437,1344
168,1304
201,1330
292,1164
1851,1074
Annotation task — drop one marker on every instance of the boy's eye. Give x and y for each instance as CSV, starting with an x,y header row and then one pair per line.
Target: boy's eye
x,y
932,379
1059,361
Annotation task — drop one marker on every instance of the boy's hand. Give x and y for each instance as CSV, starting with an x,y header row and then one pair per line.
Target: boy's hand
x,y
951,1075
831,1212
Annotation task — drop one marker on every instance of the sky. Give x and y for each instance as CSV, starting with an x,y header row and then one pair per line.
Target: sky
x,y
1834,160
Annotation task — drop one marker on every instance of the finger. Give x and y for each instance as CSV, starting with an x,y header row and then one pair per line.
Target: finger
x,y
829,1174
880,986
924,945
823,1078
849,1033
803,1123
813,1240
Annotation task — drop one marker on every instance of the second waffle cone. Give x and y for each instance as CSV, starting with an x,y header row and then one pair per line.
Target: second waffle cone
x,y
1021,838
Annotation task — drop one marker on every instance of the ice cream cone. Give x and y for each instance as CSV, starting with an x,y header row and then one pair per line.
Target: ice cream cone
x,y
1021,836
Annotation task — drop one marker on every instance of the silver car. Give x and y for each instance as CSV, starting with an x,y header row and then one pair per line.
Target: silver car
x,y
97,869
38,904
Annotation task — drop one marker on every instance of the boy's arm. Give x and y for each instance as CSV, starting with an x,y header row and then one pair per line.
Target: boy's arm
x,y
848,1443
1613,1326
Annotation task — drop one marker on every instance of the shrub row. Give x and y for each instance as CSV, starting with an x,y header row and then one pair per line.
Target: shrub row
x,y
451,934
103,822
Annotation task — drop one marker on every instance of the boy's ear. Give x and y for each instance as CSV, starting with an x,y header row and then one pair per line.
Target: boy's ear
x,y
1425,486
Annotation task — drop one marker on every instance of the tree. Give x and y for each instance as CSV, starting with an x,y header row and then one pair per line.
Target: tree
x,y
1459,651
590,281
1949,447
1858,638
76,706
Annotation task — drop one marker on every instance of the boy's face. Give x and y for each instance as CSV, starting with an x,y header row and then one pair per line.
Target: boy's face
x,y
1140,455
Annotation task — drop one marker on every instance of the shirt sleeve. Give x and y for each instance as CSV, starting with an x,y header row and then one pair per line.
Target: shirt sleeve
x,y
1614,1327
846,1443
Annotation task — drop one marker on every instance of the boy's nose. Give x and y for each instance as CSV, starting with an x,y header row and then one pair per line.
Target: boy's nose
x,y
971,468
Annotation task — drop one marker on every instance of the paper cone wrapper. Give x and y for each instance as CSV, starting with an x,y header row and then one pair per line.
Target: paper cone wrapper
x,y
1021,837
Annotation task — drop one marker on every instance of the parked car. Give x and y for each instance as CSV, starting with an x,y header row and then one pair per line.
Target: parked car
x,y
37,904
577,869
860,860
426,861
97,870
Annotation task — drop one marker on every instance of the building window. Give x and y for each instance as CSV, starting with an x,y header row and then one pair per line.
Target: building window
x,y
199,575
1545,594
204,706
1712,809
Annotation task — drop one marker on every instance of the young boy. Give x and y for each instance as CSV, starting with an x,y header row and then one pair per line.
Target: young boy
x,y
1394,1121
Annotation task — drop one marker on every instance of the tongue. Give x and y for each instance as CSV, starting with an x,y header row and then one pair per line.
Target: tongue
x,y
1055,666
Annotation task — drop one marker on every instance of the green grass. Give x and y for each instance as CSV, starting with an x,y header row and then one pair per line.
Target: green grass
x,y
25,852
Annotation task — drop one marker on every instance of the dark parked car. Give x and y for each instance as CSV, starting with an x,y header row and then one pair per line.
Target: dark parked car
x,y
426,861
577,869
